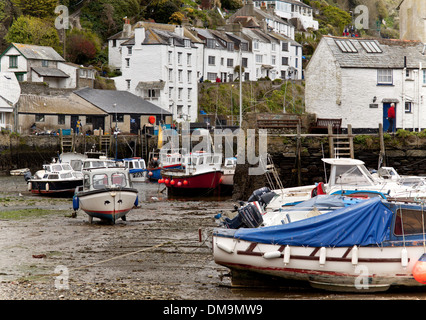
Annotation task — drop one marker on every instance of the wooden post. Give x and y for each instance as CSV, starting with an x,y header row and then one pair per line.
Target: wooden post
x,y
330,140
382,157
299,157
351,141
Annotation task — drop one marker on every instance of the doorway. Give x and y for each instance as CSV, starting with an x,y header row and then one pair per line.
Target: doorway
x,y
386,107
135,123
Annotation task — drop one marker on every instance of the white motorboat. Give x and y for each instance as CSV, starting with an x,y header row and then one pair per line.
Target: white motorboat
x,y
228,169
369,246
136,167
107,194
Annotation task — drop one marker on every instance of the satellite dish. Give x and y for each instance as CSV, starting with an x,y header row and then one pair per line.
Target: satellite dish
x,y
10,90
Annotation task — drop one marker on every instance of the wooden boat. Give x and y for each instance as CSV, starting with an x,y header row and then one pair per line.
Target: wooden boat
x,y
19,172
107,194
136,167
54,178
201,173
365,247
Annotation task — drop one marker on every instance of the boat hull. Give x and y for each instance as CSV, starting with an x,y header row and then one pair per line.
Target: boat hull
x,y
107,204
54,186
155,173
349,269
192,183
137,175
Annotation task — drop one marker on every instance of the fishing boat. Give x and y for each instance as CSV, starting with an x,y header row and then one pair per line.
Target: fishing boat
x,y
368,246
136,167
106,193
159,161
201,173
54,178
351,175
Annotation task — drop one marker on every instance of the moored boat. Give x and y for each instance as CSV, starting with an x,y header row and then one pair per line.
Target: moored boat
x,y
201,173
163,161
136,167
229,171
54,178
368,246
107,194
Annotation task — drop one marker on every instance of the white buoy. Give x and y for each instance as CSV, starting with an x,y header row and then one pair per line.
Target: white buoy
x,y
404,257
286,259
272,255
224,247
355,255
322,256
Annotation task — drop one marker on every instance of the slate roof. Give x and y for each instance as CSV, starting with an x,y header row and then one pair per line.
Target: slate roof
x,y
50,72
126,102
391,54
34,52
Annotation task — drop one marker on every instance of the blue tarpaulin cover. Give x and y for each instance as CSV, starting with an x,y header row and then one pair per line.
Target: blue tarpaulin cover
x,y
360,224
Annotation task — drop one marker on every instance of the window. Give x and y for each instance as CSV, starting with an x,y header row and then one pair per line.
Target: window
x,y
407,107
180,90
256,44
284,46
189,76
19,76
212,60
274,47
410,220
89,119
284,61
169,57
114,43
180,72
170,74
151,93
118,179
211,76
244,46
230,62
230,46
100,181
44,63
128,84
179,57
210,43
127,62
13,61
259,58
384,76
61,119
129,50
188,59
187,43
170,92
189,94
222,61
39,117
245,62
118,117
273,60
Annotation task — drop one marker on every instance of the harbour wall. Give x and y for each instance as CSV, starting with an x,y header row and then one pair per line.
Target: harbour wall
x,y
407,154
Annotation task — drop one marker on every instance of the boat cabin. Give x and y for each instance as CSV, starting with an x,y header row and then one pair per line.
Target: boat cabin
x,y
201,159
347,172
134,163
100,179
102,162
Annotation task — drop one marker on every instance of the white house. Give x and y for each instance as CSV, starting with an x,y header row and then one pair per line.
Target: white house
x,y
10,91
294,11
357,79
159,63
34,63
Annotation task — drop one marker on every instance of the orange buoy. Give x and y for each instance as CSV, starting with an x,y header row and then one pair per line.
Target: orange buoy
x,y
172,182
419,269
185,182
160,180
179,184
150,173
166,181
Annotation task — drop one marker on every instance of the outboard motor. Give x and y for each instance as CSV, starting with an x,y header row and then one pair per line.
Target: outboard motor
x,y
263,196
249,216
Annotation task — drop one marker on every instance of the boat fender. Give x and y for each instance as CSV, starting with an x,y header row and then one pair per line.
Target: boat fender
x,y
322,256
136,201
404,257
286,259
419,269
47,186
224,247
355,255
30,186
75,203
272,255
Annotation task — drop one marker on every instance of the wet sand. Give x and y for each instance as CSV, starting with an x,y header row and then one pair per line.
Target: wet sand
x,y
155,255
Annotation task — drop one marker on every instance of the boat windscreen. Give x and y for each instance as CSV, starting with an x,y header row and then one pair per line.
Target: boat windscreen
x,y
352,175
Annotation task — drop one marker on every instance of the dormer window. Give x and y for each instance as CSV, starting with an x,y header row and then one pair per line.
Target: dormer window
x,y
187,43
44,63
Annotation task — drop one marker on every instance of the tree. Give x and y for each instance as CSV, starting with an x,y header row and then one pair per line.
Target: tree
x,y
31,30
36,8
82,46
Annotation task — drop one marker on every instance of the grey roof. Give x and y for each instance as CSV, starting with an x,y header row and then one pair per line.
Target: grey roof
x,y
384,53
30,51
50,72
125,101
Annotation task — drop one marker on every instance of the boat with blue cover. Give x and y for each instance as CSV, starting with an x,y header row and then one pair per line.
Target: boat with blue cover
x,y
367,246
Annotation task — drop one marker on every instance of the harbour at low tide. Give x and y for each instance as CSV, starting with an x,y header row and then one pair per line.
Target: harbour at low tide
x,y
162,252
